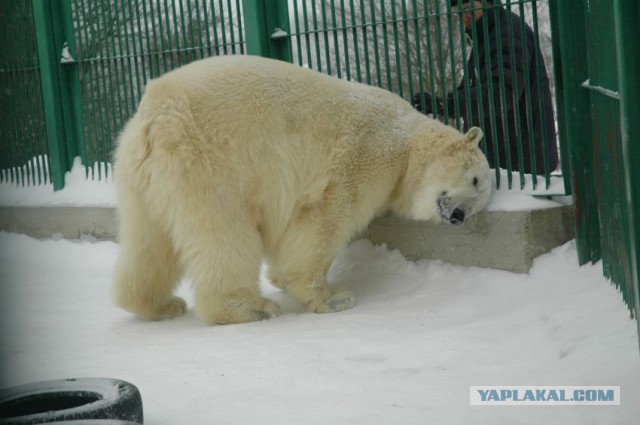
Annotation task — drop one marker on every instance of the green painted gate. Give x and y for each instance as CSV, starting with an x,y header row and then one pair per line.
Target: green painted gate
x,y
600,64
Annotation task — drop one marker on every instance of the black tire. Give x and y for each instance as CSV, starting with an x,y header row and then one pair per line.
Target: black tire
x,y
70,400
95,422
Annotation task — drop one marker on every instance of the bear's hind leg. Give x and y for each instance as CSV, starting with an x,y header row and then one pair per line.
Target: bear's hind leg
x,y
223,254
147,271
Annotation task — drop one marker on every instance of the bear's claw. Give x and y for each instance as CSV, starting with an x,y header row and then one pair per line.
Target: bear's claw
x,y
340,300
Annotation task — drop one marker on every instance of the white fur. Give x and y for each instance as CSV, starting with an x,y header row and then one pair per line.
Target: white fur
x,y
234,159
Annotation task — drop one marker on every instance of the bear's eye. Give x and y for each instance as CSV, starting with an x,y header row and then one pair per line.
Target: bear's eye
x,y
475,181
444,193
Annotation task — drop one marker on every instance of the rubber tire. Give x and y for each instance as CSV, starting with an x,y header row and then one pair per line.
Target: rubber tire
x,y
70,400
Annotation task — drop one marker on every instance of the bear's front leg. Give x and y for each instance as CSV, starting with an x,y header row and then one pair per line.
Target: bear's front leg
x,y
299,263
319,298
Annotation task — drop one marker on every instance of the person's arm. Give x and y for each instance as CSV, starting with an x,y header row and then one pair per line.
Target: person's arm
x,y
512,63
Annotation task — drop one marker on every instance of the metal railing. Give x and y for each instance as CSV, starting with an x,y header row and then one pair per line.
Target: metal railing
x,y
90,61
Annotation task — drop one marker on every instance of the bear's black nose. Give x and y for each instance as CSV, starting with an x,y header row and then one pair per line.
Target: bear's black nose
x,y
457,217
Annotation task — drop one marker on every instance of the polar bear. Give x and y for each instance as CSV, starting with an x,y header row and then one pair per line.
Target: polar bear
x,y
233,160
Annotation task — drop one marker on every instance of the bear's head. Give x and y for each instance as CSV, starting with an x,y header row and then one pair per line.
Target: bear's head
x,y
447,176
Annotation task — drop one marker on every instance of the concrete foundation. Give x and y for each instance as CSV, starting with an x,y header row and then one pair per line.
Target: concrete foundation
x,y
507,240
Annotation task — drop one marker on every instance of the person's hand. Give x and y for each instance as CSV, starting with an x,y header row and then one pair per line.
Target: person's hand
x,y
426,106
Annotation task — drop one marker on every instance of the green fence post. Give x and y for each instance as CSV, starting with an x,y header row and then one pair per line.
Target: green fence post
x,y
60,87
578,133
627,16
49,56
70,84
267,28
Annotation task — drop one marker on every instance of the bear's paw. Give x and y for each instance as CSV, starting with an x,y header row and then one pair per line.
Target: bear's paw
x,y
339,300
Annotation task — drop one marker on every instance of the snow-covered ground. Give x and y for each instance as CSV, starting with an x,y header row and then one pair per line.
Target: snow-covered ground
x,y
421,334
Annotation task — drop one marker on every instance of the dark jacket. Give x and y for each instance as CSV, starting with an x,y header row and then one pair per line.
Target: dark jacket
x,y
524,110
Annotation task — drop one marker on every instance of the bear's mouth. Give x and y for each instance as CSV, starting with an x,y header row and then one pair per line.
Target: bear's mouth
x,y
448,212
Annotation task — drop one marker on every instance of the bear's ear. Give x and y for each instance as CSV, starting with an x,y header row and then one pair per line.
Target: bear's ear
x,y
474,135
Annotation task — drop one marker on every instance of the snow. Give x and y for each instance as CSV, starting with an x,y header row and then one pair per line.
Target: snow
x,y
420,335
82,191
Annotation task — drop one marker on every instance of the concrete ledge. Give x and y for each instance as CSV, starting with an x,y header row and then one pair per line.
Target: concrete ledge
x,y
70,222
507,240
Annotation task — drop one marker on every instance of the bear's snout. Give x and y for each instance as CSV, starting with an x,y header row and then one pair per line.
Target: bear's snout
x,y
457,217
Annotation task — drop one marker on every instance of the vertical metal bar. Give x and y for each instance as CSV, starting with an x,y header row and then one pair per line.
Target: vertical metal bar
x,y
489,82
407,46
571,16
627,16
176,33
108,101
136,59
143,57
385,44
156,51
296,15
354,34
325,33
516,104
165,35
527,93
305,17
559,97
429,53
113,61
240,27
183,30
127,73
162,51
191,18
454,74
206,25
223,30
336,46
233,37
376,51
365,41
199,23
441,61
503,102
480,95
347,62
396,46
539,69
131,67
418,34
48,58
214,20
149,52
88,83
71,85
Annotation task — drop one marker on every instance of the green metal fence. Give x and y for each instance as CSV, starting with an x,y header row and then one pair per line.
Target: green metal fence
x,y
94,57
411,46
23,145
600,68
